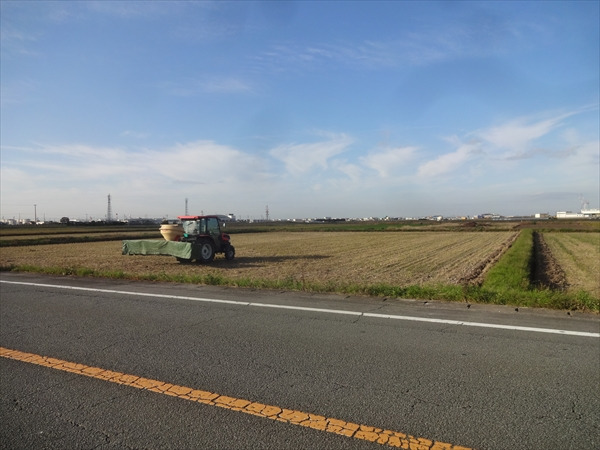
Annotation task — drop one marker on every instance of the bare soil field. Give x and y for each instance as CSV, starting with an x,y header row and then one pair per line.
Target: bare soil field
x,y
578,256
59,235
399,258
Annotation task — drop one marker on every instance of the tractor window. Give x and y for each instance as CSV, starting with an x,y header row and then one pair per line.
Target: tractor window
x,y
194,227
190,227
212,225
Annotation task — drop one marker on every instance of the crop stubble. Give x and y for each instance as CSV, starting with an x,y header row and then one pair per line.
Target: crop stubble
x,y
578,255
394,258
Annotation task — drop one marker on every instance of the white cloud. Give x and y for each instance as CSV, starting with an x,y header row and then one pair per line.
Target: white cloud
x,y
352,171
201,162
300,158
390,161
76,178
204,162
582,161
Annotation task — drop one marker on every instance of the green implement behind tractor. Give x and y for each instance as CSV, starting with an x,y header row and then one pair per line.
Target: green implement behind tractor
x,y
198,238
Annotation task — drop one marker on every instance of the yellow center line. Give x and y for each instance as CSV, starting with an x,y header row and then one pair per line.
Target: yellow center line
x,y
317,422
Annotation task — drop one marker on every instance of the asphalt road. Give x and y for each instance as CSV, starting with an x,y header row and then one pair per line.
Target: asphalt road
x,y
525,384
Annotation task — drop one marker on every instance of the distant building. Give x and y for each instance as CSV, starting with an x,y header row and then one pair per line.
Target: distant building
x,y
568,215
489,216
591,213
584,214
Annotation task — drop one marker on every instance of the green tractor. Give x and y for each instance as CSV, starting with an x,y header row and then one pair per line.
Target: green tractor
x,y
206,237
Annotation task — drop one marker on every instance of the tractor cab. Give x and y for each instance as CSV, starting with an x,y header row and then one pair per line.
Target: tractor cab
x,y
204,232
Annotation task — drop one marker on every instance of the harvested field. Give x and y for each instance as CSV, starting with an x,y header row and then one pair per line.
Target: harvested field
x,y
578,255
338,258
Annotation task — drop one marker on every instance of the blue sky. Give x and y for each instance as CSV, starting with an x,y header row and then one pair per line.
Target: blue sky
x,y
340,109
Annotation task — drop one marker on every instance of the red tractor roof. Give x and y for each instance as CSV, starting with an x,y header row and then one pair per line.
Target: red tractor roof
x,y
196,217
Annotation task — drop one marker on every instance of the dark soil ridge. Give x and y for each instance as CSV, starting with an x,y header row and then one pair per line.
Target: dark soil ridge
x,y
73,239
546,272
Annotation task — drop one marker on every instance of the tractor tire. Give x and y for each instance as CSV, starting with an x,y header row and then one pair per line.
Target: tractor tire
x,y
207,251
230,253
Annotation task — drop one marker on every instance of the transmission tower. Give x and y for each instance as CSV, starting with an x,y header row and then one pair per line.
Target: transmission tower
x,y
584,203
186,206
267,212
109,211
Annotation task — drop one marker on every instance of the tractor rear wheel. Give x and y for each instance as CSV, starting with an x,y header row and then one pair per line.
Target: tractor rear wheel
x,y
207,251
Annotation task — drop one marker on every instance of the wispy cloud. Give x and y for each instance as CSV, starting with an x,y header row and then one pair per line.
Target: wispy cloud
x,y
464,37
227,85
134,134
517,135
192,87
284,56
17,91
517,139
16,42
541,152
133,10
450,162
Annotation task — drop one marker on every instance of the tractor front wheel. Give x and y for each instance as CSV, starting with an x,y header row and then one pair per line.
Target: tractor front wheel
x,y
229,253
207,251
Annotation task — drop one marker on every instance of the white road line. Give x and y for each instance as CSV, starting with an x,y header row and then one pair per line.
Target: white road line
x,y
484,325
323,310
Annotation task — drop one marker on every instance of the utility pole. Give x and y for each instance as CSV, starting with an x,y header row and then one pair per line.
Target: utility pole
x,y
35,214
109,211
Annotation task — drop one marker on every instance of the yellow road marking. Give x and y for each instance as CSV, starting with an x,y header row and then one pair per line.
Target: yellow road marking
x,y
317,422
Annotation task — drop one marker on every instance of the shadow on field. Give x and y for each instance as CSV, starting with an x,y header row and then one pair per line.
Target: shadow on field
x,y
260,261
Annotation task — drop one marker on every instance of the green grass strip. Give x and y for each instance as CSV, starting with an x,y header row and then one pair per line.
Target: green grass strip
x,y
513,271
473,294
